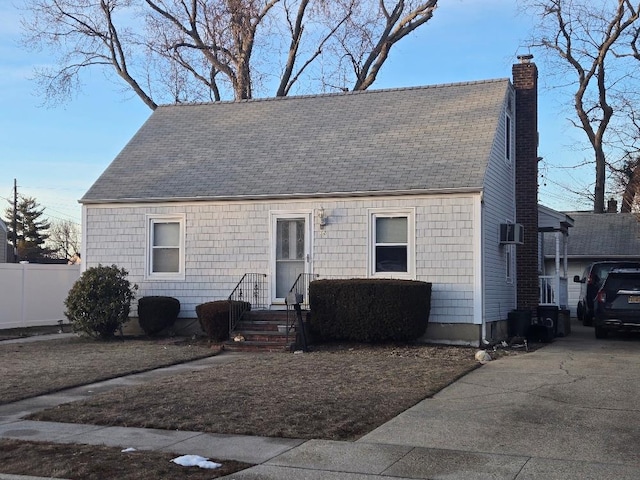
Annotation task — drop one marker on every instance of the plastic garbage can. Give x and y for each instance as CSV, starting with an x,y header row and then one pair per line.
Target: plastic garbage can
x,y
519,323
547,322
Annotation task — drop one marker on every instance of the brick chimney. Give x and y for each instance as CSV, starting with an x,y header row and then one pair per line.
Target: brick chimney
x,y
612,206
525,82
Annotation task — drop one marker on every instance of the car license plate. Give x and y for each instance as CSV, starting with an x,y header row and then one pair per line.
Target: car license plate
x,y
634,298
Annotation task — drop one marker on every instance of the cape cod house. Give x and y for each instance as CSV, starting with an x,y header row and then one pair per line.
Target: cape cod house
x,y
416,183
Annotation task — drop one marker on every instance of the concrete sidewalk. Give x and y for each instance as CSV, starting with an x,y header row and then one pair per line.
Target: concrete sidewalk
x,y
567,411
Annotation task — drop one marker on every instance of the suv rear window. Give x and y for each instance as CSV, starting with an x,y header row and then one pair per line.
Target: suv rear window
x,y
601,271
622,281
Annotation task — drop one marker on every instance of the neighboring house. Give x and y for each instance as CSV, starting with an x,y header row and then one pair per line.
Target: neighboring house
x,y
596,237
553,232
409,183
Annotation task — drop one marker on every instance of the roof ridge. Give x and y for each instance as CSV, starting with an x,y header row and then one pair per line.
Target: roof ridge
x,y
339,94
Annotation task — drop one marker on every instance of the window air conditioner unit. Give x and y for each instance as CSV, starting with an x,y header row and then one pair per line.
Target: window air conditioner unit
x,y
511,233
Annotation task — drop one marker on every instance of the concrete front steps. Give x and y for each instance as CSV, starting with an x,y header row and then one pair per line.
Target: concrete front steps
x,y
263,331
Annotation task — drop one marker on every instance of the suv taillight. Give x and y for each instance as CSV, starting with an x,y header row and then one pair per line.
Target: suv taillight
x,y
601,297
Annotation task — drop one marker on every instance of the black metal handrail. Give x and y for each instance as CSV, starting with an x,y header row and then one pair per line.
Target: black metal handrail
x,y
250,292
300,289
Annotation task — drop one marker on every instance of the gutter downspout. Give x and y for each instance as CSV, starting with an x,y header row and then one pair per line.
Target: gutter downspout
x,y
478,253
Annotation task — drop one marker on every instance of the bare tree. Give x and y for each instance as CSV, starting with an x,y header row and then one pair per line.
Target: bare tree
x,y
584,35
64,238
169,51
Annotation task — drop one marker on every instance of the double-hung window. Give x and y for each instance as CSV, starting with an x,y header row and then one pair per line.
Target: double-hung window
x,y
392,243
165,258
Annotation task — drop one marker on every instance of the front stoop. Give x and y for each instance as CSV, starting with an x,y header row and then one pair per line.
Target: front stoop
x,y
262,331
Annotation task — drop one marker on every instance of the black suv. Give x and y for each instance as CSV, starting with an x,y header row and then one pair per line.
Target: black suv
x,y
617,304
592,278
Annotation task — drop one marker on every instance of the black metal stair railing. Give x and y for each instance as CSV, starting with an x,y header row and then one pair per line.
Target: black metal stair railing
x,y
298,292
249,293
301,287
298,299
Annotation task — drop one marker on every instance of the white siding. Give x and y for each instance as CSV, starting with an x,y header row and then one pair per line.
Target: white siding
x,y
498,207
224,240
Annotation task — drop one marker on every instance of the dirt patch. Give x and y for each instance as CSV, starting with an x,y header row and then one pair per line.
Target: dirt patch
x,y
36,368
338,392
90,462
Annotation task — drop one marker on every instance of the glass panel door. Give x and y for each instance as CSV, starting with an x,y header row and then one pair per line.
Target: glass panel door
x,y
290,244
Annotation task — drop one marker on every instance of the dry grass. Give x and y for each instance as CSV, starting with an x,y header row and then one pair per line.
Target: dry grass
x,y
89,462
337,393
30,369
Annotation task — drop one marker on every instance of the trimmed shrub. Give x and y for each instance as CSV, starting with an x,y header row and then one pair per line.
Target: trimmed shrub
x,y
214,318
98,303
369,310
156,313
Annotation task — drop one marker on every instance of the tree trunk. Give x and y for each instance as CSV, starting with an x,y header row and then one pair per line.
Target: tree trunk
x,y
598,192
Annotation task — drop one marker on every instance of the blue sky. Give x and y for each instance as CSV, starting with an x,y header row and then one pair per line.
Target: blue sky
x,y
57,153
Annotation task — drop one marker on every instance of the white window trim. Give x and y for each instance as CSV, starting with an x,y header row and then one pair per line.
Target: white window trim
x,y
410,214
509,268
510,253
149,221
508,138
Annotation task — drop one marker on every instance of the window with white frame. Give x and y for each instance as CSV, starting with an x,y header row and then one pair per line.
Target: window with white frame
x,y
507,138
392,243
165,257
509,261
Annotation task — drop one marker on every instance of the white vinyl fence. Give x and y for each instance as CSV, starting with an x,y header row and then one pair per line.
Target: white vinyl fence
x,y
33,294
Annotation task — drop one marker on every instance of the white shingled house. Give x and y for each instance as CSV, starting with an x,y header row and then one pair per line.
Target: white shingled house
x,y
412,183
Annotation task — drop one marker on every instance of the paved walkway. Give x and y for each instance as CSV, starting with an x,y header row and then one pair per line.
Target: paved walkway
x,y
567,411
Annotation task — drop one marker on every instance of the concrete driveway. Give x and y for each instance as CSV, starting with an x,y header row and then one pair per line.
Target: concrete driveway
x,y
572,409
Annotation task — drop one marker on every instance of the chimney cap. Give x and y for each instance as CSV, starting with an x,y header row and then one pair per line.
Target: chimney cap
x,y
525,58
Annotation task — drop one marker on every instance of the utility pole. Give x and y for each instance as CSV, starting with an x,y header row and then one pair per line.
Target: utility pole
x,y
15,220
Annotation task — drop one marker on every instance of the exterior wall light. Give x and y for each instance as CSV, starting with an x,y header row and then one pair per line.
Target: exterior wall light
x,y
322,217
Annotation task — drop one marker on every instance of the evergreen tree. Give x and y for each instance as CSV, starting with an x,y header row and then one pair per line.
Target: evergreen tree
x,y
30,229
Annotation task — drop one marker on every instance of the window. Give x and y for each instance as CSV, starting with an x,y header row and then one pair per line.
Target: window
x,y
509,260
507,138
392,244
165,258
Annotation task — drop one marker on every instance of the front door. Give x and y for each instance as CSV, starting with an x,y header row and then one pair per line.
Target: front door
x,y
292,252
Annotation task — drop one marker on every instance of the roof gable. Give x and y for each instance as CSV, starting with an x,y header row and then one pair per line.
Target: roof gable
x,y
373,142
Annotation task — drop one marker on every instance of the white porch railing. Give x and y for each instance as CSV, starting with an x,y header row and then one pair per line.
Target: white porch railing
x,y
554,290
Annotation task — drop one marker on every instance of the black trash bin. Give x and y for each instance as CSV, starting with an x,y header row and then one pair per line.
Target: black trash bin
x,y
519,323
546,325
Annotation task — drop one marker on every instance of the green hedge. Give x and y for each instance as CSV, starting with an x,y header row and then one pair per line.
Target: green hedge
x,y
156,313
214,318
98,303
367,310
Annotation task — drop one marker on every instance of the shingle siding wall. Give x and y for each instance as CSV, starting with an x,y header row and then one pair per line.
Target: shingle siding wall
x,y
499,207
225,240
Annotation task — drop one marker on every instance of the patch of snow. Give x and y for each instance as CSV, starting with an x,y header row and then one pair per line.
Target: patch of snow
x,y
482,356
195,461
127,450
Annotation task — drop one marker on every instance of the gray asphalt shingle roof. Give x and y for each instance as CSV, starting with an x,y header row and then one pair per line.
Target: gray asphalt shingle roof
x,y
413,139
603,235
